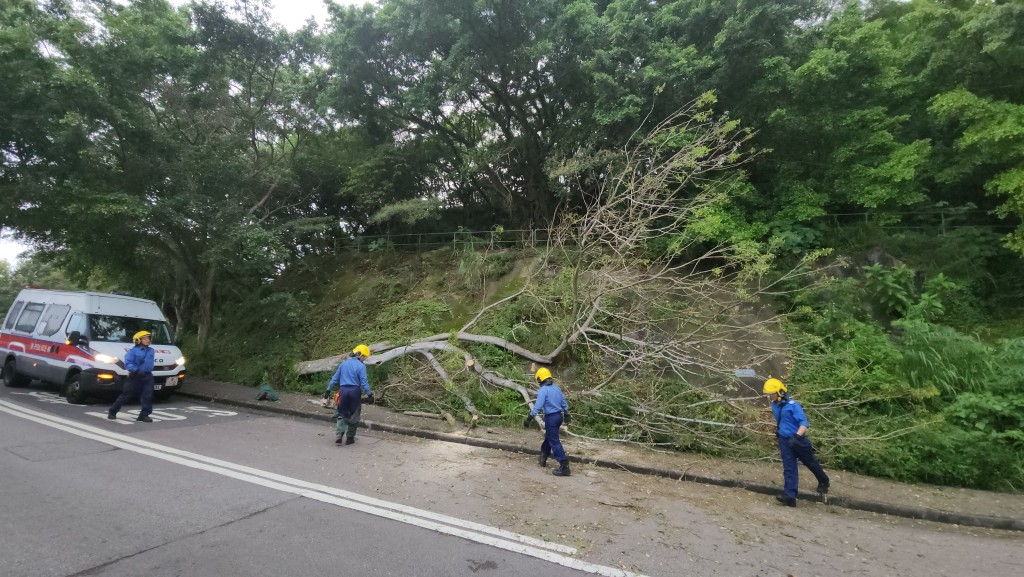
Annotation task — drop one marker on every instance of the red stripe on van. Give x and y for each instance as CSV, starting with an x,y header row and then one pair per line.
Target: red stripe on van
x,y
49,349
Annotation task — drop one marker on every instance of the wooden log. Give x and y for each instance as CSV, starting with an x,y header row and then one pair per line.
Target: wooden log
x,y
424,415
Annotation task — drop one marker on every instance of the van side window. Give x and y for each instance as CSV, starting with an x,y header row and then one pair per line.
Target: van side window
x,y
13,315
29,317
77,323
53,318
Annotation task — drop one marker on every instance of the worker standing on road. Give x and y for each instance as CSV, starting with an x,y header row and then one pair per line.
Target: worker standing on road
x,y
139,362
551,402
350,378
793,442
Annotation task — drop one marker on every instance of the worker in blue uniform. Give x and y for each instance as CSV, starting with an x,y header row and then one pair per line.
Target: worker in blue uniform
x,y
139,363
794,445
350,378
551,402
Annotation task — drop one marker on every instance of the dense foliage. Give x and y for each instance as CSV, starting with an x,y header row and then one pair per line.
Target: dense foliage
x,y
204,157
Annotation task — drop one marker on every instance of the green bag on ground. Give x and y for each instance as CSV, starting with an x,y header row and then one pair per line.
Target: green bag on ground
x,y
266,393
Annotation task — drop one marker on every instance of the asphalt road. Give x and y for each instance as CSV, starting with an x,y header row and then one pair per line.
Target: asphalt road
x,y
81,495
209,490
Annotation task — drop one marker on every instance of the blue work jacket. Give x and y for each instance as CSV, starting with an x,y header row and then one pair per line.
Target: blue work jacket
x,y
790,416
351,372
139,359
549,400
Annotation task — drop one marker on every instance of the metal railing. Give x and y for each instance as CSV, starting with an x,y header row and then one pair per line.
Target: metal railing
x,y
474,239
941,219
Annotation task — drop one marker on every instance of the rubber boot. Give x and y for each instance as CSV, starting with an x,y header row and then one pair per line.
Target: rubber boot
x,y
562,470
823,488
349,440
339,439
542,461
787,501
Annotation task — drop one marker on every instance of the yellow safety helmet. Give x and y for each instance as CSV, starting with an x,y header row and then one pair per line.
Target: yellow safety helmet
x,y
543,374
362,350
774,386
137,337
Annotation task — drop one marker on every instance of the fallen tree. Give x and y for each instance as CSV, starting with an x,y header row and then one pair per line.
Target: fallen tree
x,y
659,288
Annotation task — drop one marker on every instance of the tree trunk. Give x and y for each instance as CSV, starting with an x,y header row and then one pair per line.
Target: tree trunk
x,y
205,294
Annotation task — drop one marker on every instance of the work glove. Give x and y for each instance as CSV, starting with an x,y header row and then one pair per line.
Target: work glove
x,y
327,394
369,399
526,423
566,418
794,440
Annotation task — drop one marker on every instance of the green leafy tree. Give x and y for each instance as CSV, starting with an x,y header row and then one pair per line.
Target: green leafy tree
x,y
490,85
966,62
838,134
991,143
179,126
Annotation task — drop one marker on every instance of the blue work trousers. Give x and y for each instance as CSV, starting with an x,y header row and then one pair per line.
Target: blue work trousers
x,y
350,405
136,385
551,444
800,450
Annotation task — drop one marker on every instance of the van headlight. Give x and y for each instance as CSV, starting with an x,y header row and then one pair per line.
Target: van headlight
x,y
102,358
180,361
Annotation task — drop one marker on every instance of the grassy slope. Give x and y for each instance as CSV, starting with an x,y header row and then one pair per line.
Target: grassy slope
x,y
329,304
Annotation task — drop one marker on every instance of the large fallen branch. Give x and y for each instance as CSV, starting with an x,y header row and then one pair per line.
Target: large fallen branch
x,y
423,348
436,365
331,363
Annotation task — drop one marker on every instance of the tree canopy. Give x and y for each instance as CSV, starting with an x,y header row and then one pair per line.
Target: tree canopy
x,y
205,143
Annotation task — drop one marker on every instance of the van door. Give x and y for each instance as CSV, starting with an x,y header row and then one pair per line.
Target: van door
x,y
77,324
24,327
48,329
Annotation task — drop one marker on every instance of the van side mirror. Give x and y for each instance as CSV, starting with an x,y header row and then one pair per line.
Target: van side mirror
x,y
76,339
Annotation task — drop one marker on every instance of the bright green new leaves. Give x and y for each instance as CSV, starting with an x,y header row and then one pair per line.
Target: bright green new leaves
x,y
991,142
836,139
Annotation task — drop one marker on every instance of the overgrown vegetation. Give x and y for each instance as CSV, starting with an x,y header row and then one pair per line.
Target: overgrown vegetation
x,y
903,369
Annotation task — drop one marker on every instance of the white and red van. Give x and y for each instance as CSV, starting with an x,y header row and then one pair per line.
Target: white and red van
x,y
78,340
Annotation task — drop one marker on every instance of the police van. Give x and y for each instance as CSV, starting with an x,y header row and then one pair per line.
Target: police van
x,y
78,341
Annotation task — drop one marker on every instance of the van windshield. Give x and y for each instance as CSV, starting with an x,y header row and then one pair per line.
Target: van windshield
x,y
111,329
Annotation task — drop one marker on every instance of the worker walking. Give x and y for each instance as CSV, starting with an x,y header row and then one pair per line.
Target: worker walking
x,y
551,402
794,445
139,363
350,378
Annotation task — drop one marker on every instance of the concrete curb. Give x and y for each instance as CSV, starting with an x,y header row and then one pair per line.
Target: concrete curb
x,y
985,521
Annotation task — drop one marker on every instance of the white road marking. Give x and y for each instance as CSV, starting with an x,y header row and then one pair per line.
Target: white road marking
x,y
212,412
129,417
469,530
164,415
122,418
158,414
46,397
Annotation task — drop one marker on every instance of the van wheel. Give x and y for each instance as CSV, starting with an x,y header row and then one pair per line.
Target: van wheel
x,y
11,376
73,390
